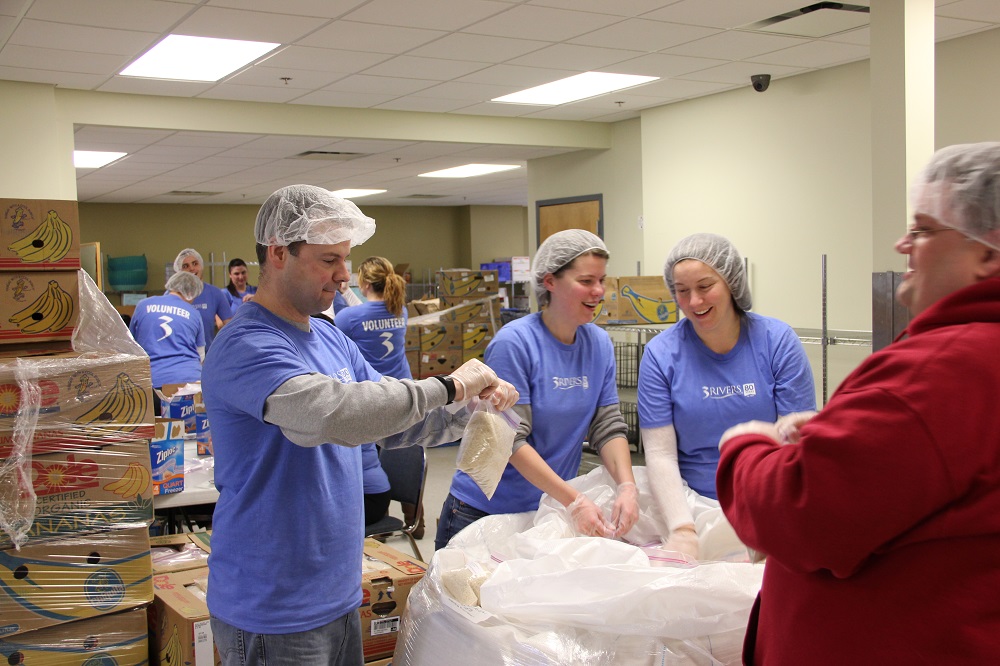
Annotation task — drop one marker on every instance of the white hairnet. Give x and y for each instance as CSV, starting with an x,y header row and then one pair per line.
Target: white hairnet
x,y
720,255
311,214
186,284
187,252
968,198
558,251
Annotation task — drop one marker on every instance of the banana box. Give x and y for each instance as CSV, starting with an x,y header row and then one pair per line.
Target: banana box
x,y
479,354
642,299
74,578
477,336
39,235
463,311
442,337
439,363
180,629
166,455
386,580
467,284
106,640
413,360
86,491
179,552
86,400
37,307
411,341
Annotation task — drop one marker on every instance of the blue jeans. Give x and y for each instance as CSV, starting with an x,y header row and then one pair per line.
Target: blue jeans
x,y
456,515
335,644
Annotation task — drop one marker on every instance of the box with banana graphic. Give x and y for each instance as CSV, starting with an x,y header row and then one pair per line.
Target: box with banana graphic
x,y
107,640
642,299
87,400
39,235
478,311
442,337
37,307
74,578
467,284
87,491
179,625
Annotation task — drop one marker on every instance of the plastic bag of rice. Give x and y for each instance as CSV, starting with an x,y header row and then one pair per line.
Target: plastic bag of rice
x,y
486,445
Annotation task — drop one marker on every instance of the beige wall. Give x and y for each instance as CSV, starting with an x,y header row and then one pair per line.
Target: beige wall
x,y
497,232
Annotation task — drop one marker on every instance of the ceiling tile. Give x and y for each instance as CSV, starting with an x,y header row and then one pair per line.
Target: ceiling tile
x,y
475,92
516,77
337,98
617,8
319,8
216,139
735,45
253,93
366,37
323,60
664,65
723,13
574,57
973,10
128,84
298,79
947,28
415,103
815,54
147,15
740,72
544,23
669,89
497,109
34,57
434,14
62,79
859,36
643,35
81,38
438,69
481,48
382,85
255,26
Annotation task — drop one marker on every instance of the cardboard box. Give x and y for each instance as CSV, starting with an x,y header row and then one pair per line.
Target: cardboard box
x,y
74,578
439,363
469,354
411,341
413,360
87,400
380,662
426,306
386,580
642,299
106,640
442,337
464,312
179,625
38,234
37,307
468,284
477,335
179,552
203,431
166,455
86,491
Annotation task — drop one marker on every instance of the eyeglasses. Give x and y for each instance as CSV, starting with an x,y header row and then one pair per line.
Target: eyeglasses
x,y
913,234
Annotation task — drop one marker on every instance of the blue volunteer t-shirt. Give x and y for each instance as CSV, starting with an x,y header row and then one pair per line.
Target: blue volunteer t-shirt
x,y
564,384
170,331
288,529
210,302
380,334
684,383
236,301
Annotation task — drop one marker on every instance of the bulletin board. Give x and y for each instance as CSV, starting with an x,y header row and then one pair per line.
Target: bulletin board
x,y
583,212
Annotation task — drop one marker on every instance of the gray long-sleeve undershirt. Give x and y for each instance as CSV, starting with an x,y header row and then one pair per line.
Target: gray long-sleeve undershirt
x,y
316,409
607,424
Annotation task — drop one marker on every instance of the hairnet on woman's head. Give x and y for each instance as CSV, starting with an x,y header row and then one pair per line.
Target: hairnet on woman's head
x,y
186,284
311,214
558,251
960,188
720,255
186,252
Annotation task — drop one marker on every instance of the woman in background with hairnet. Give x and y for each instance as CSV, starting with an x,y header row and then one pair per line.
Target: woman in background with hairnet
x,y
564,370
719,366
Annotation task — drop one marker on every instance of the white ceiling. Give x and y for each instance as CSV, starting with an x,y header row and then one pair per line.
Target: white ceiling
x,y
442,56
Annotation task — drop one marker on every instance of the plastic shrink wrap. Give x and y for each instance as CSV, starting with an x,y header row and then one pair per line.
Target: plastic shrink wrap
x,y
101,641
73,424
548,597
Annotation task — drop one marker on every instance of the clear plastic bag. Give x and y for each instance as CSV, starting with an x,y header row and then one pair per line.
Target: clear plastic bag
x,y
487,444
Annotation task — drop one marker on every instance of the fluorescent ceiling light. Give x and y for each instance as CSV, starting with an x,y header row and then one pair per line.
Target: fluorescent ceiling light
x,y
94,159
354,194
469,170
581,86
186,58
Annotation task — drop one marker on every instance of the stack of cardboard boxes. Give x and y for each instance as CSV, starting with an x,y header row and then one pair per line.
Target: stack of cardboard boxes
x,y
75,482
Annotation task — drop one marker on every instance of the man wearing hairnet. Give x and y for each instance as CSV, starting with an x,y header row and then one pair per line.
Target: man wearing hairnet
x,y
212,302
291,399
880,515
169,329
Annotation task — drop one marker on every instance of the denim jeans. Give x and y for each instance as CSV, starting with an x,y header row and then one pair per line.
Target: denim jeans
x,y
456,515
335,644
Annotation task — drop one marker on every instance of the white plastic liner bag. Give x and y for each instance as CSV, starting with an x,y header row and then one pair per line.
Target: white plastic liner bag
x,y
554,598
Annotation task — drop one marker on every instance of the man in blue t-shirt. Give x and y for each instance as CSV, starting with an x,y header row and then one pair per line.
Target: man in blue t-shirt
x,y
212,302
291,400
170,331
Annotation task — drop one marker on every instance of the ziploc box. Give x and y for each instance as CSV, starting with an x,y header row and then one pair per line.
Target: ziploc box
x,y
87,399
166,455
106,640
38,307
386,580
180,628
177,401
86,491
203,431
73,578
38,234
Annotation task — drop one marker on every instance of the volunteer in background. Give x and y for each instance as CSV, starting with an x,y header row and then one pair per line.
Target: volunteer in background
x,y
719,366
378,327
344,298
564,368
291,400
238,291
169,329
881,516
212,302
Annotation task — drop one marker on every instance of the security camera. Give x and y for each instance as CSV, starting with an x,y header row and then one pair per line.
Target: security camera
x,y
760,82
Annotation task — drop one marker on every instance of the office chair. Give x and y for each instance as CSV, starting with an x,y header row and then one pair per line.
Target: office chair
x,y
407,471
